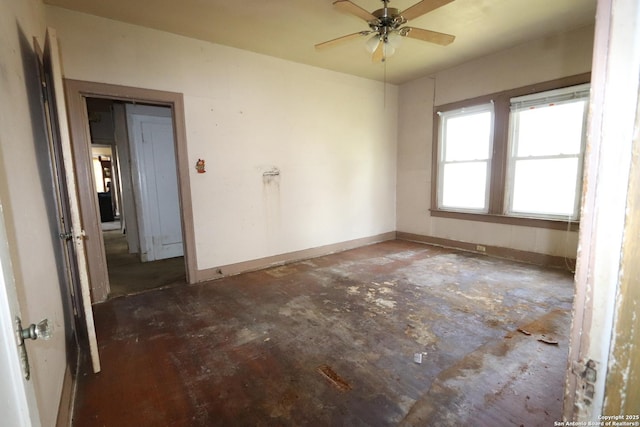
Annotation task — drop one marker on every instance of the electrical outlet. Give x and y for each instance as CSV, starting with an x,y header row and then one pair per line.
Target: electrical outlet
x,y
481,248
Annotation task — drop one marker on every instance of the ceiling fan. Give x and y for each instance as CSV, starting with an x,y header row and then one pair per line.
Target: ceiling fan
x,y
386,27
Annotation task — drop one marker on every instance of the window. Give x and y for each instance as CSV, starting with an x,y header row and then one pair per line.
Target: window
x,y
546,145
513,157
465,147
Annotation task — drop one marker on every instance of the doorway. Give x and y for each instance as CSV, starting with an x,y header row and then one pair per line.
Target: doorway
x,y
136,183
131,198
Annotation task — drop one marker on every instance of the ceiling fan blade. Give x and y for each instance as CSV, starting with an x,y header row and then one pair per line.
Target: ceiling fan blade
x,y
354,9
423,7
339,40
429,36
378,54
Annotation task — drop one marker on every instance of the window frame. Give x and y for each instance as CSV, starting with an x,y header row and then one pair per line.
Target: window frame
x,y
554,97
498,164
461,112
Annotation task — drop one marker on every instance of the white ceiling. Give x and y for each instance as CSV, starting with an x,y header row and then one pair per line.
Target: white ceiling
x,y
289,29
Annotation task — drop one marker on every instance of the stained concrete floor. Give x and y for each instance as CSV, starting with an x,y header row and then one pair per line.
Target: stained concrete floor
x,y
128,275
331,341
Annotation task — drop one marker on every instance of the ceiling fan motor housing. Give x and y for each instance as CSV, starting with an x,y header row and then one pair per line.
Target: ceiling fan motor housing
x,y
388,20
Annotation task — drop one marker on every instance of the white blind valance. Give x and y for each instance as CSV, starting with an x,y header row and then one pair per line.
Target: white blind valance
x,y
552,97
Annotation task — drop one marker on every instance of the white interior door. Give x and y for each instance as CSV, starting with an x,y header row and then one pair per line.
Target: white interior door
x,y
156,181
18,404
62,145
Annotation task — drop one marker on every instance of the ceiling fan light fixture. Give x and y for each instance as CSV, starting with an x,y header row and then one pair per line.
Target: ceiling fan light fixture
x,y
372,44
394,39
388,50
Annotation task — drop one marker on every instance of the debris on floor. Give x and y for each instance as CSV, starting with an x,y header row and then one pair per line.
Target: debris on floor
x,y
548,340
336,380
542,338
417,357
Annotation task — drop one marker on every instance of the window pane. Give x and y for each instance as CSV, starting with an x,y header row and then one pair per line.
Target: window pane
x,y
468,136
545,186
550,130
464,185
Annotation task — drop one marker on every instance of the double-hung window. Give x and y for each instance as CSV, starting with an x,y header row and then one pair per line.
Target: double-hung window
x,y
547,138
465,141
513,157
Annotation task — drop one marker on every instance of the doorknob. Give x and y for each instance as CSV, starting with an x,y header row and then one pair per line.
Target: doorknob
x,y
42,330
32,332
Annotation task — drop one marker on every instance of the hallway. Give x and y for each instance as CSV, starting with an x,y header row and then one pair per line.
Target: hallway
x,y
127,275
396,333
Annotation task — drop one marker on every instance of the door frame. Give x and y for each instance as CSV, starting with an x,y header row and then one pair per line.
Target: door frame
x,y
76,92
602,365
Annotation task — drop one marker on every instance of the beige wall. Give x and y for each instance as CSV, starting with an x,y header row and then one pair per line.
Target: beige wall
x,y
537,61
27,201
332,136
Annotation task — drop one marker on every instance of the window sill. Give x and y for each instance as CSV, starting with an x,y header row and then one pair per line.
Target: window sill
x,y
509,220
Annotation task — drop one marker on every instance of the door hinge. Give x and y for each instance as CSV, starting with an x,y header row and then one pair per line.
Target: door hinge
x,y
45,92
66,236
587,374
69,235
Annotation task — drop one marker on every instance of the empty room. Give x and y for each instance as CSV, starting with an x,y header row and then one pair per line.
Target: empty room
x,y
319,213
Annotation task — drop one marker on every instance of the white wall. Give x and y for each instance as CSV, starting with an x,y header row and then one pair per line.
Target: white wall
x,y
331,135
27,200
536,61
